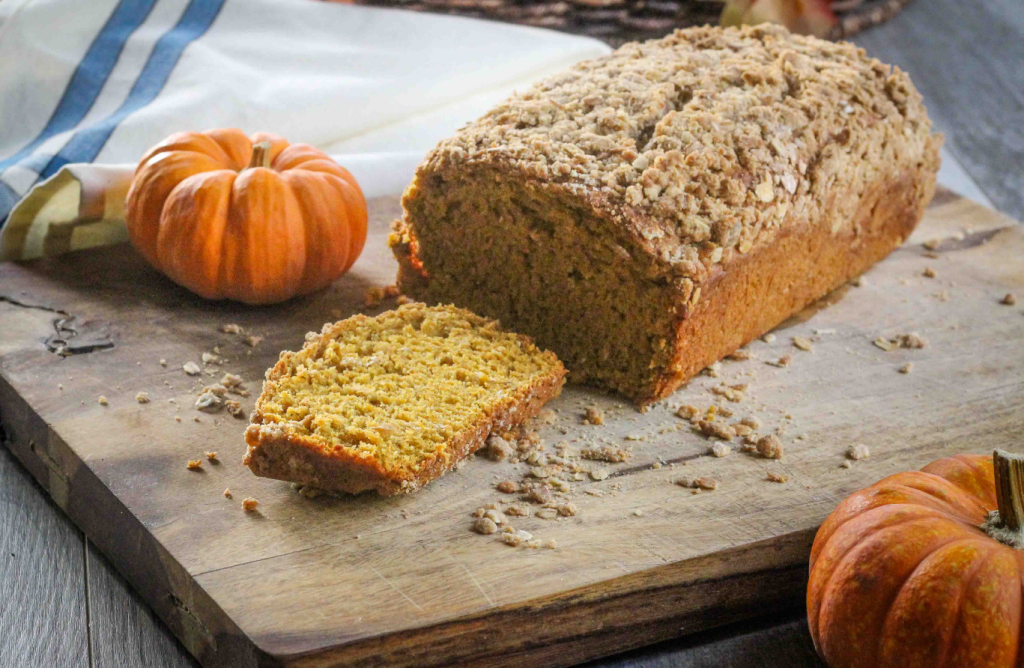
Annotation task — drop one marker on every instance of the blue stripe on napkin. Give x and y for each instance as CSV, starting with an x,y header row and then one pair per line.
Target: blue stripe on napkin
x,y
87,143
91,74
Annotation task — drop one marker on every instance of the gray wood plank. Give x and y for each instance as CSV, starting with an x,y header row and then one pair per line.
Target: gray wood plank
x,y
965,58
125,632
43,607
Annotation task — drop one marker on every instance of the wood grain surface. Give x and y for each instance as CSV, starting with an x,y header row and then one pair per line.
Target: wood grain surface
x,y
403,581
43,604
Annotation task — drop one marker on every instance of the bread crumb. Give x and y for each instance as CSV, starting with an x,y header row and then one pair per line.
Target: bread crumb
x,y
495,516
906,368
782,361
508,487
546,514
515,538
733,393
232,328
210,358
191,368
721,450
928,272
912,340
235,408
608,453
638,513
498,449
740,355
252,341
857,452
687,412
539,493
846,465
194,464
568,509
550,544
697,483
249,504
751,422
516,511
777,477
599,474
103,400
177,418
142,397
802,343
484,526
212,456
770,446
231,381
932,244
768,338
209,402
403,300
716,429
163,362
594,416
859,282
227,493
1009,299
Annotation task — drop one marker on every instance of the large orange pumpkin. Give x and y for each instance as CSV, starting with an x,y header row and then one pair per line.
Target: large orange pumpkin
x,y
255,220
907,573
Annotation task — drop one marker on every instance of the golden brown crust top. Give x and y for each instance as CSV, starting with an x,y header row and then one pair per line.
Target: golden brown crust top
x,y
701,143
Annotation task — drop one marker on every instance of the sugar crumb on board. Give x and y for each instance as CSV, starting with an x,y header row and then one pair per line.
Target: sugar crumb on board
x,y
802,343
770,447
857,452
912,340
594,416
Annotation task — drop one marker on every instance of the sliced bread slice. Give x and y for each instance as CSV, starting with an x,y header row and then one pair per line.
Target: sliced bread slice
x,y
391,402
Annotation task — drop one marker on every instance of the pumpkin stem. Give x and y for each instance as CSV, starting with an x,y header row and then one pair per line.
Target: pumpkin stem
x,y
1009,475
260,155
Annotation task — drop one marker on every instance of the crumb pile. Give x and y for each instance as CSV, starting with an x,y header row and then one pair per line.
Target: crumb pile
x,y
390,403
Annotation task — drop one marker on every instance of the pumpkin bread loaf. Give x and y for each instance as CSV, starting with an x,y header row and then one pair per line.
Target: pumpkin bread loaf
x,y
389,403
645,214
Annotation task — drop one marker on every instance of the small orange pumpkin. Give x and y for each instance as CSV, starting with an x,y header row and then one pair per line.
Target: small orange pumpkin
x,y
255,220
916,571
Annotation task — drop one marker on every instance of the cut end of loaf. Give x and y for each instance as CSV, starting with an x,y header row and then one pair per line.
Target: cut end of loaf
x,y
392,402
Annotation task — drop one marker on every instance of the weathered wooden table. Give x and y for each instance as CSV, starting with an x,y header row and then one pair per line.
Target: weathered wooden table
x,y
61,603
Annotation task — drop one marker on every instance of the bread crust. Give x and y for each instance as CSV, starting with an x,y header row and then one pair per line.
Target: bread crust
x,y
274,451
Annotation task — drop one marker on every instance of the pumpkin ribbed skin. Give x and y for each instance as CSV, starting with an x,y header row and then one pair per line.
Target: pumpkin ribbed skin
x,y
901,575
201,215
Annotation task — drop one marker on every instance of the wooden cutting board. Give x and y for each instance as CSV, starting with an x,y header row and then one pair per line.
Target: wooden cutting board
x,y
404,581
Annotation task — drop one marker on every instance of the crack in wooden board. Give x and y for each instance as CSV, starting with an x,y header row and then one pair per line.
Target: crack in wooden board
x,y
293,585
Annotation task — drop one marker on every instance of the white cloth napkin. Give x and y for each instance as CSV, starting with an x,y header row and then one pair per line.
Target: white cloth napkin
x,y
87,87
